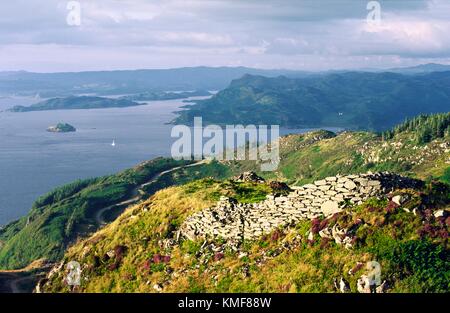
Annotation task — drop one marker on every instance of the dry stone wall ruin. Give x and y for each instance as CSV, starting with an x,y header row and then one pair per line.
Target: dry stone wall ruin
x,y
230,220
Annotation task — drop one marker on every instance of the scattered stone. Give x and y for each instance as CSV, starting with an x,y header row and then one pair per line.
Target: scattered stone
x,y
242,255
157,287
381,288
344,285
362,284
399,199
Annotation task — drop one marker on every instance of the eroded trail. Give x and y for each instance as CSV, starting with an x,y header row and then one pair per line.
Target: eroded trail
x,y
15,281
136,194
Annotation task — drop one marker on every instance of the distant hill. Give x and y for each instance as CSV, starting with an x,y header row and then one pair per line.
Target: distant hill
x,y
422,68
49,85
162,95
355,100
74,102
127,81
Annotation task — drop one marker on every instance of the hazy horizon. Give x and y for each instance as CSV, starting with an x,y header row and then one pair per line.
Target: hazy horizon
x,y
220,66
295,35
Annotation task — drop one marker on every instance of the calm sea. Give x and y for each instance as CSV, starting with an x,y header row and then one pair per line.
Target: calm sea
x,y
34,161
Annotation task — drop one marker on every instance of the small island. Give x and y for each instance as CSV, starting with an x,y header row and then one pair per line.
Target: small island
x,y
61,128
76,103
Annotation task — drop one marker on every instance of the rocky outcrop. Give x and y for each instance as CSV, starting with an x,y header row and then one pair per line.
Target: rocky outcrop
x,y
237,221
249,177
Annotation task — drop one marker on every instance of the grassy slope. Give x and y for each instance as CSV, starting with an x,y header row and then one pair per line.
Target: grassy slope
x,y
304,158
61,216
316,155
400,241
411,249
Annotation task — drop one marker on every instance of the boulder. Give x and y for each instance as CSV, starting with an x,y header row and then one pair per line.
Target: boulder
x,y
320,182
330,207
350,185
398,199
279,186
249,177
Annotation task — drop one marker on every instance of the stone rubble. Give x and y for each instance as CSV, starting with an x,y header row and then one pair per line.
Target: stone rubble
x,y
234,221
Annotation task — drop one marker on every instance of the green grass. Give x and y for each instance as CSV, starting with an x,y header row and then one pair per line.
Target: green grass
x,y
61,216
65,214
304,160
181,176
446,176
412,259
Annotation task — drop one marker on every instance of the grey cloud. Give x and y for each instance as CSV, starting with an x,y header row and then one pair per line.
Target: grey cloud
x,y
270,33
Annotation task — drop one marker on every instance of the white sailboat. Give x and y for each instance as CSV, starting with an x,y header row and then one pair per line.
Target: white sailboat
x,y
113,143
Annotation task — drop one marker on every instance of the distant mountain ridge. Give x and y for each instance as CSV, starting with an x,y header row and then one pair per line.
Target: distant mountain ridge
x,y
127,81
162,95
355,100
422,68
143,80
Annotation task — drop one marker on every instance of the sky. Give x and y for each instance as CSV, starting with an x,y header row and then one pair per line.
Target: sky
x,y
50,35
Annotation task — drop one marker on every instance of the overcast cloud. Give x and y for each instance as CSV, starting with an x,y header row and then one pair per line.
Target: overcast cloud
x,y
308,34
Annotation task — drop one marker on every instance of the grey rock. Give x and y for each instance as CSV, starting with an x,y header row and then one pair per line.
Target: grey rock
x,y
330,207
350,185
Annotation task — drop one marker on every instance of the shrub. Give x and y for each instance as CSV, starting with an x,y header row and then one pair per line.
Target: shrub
x,y
158,258
218,256
119,252
276,235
